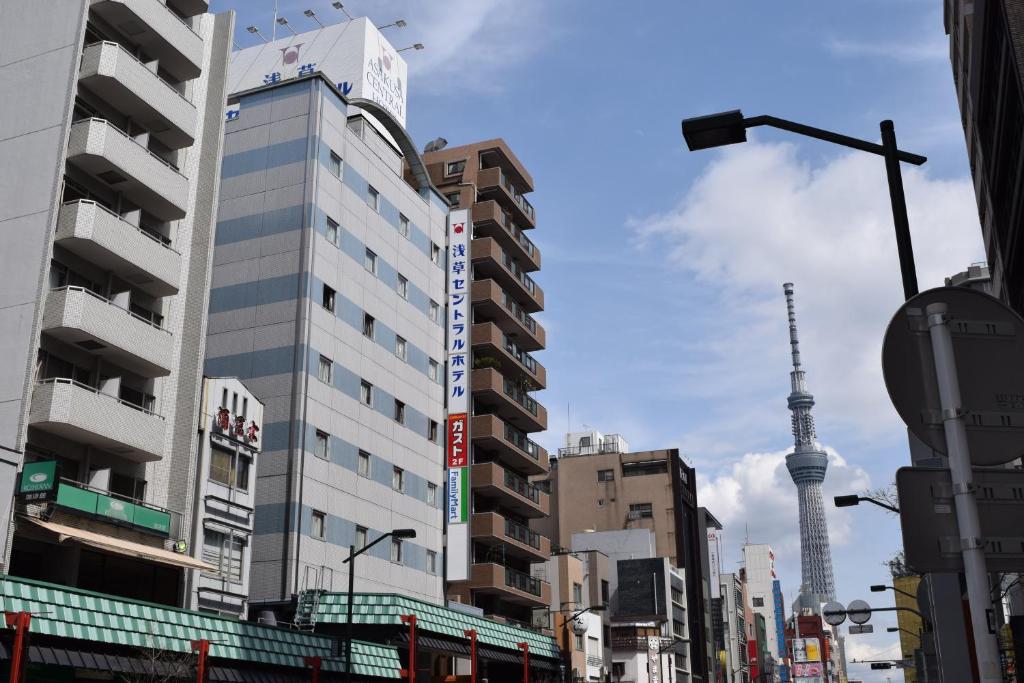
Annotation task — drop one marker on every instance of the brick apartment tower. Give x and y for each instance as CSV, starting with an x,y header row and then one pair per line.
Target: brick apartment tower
x,y
487,178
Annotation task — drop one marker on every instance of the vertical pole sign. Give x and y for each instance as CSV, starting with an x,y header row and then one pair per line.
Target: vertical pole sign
x,y
457,382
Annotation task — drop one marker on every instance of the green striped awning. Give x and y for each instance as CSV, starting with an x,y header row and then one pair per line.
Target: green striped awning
x,y
84,615
386,608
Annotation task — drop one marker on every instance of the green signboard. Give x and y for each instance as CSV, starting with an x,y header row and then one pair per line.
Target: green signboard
x,y
115,509
38,480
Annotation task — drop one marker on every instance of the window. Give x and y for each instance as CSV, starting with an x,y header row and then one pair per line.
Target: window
x,y
435,254
453,199
324,372
435,311
577,593
335,164
677,597
318,524
455,167
366,392
401,348
432,430
432,495
432,369
370,261
606,475
645,467
373,197
367,325
322,445
641,511
224,551
757,602
403,286
431,562
328,300
226,468
396,550
398,479
578,641
360,537
364,464
242,473
331,232
399,412
403,225
618,668
221,466
604,592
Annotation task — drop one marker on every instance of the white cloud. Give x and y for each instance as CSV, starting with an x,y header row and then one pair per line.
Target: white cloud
x,y
755,496
759,216
934,49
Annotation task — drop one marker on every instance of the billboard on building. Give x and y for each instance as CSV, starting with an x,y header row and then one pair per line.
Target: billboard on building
x,y
353,55
715,561
457,382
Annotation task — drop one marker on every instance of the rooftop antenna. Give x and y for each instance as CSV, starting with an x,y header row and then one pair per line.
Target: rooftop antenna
x,y
273,27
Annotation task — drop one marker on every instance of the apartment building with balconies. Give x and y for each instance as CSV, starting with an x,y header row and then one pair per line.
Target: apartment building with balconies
x,y
487,179
113,114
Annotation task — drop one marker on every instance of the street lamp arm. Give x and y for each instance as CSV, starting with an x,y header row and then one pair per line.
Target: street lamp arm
x,y
366,547
829,136
887,506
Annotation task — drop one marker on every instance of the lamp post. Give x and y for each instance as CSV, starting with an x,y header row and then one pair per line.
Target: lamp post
x,y
850,501
565,622
728,128
351,562
881,588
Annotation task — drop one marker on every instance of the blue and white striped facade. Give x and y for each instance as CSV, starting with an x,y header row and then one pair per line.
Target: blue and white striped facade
x,y
269,327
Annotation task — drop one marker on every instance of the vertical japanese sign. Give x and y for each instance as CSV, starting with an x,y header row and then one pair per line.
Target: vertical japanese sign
x,y
457,386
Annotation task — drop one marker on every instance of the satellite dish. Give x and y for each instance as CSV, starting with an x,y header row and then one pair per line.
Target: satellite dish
x,y
834,612
858,611
579,627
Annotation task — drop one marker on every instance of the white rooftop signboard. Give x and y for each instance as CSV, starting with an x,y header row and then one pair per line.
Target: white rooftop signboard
x,y
354,55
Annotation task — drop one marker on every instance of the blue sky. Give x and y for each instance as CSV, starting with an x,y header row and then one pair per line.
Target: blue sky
x,y
663,268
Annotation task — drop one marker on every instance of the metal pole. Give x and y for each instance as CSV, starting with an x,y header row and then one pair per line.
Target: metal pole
x,y
202,647
348,620
472,654
968,522
410,673
314,663
20,621
899,209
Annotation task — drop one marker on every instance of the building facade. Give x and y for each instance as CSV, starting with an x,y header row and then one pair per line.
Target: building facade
x,y
326,301
230,426
987,57
108,187
734,664
488,180
596,485
759,565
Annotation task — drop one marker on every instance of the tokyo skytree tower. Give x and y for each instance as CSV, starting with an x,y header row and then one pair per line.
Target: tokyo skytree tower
x,y
806,465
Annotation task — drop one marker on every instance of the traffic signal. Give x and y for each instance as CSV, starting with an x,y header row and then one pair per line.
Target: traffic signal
x,y
881,665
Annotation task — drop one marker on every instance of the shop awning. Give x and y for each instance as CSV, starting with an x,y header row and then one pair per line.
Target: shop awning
x,y
120,546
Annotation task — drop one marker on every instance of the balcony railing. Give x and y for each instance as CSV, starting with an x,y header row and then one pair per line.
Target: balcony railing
x,y
519,199
148,321
523,357
611,444
522,581
513,266
147,150
80,385
517,232
117,509
521,486
521,441
120,48
519,396
522,316
149,232
523,534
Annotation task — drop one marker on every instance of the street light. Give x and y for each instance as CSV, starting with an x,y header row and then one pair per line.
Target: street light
x,y
730,127
284,22
351,562
341,8
312,15
881,588
397,23
255,31
414,46
850,501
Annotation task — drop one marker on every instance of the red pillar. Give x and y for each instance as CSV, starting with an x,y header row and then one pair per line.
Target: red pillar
x,y
410,673
471,634
20,621
525,647
202,647
314,663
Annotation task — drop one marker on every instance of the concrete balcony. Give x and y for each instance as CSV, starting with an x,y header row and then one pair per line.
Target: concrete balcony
x,y
126,84
493,304
190,8
161,34
490,340
491,261
491,220
507,446
507,399
101,149
83,414
100,236
517,540
513,492
512,585
493,182
84,319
